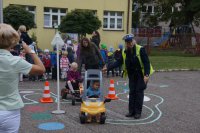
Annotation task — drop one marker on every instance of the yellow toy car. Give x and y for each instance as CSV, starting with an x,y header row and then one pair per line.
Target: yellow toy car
x,y
93,107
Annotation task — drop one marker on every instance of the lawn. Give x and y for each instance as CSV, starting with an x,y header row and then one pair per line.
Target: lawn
x,y
173,60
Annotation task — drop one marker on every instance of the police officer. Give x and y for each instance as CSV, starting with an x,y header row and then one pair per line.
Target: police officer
x,y
138,68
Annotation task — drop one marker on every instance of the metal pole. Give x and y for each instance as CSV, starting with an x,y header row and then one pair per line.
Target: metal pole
x,y
1,11
58,111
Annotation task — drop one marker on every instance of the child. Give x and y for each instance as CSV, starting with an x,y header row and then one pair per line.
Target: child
x,y
111,61
64,65
104,54
119,59
74,80
93,90
47,63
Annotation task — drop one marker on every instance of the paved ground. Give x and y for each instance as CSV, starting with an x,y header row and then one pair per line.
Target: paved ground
x,y
171,106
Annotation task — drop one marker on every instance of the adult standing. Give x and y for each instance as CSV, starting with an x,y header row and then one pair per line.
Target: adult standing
x,y
89,55
10,68
26,38
136,64
96,38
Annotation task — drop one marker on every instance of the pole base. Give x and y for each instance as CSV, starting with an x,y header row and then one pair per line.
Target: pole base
x,y
58,112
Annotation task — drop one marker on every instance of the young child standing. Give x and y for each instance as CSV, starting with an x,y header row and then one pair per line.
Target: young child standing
x,y
64,65
111,61
47,63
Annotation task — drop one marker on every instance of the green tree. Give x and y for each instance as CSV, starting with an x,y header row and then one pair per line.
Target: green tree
x,y
16,15
80,21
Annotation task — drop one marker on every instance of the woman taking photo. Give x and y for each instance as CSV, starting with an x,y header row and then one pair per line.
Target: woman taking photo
x,y
10,68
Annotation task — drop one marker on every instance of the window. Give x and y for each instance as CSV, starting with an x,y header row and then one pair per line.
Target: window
x,y
113,20
144,8
53,16
148,9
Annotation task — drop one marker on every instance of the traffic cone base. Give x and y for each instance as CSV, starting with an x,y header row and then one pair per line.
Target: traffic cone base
x,y
46,100
112,98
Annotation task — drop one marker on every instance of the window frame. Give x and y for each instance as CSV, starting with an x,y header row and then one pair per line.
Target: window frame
x,y
108,16
59,15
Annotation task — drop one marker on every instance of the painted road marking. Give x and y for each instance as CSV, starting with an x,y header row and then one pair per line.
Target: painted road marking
x,y
26,95
146,99
26,92
35,108
155,115
50,126
41,116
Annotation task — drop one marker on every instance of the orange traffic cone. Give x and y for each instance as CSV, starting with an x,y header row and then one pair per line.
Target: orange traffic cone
x,y
111,93
46,95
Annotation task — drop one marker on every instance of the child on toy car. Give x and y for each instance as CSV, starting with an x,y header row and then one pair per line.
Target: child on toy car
x,y
74,80
93,90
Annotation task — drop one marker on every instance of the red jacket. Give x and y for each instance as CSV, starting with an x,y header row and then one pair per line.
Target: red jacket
x,y
47,61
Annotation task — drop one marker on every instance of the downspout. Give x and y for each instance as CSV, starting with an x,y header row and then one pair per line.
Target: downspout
x,y
128,14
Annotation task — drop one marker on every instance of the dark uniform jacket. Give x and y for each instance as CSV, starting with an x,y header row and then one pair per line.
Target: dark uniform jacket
x,y
132,62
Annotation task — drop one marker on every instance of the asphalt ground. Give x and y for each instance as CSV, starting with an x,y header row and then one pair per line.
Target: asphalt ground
x,y
171,105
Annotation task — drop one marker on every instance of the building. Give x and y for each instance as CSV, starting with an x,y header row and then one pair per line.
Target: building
x,y
115,16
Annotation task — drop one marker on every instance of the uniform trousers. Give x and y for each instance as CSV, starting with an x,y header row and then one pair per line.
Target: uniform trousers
x,y
136,93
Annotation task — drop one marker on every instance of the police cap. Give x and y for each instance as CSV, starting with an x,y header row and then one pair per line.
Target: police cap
x,y
128,37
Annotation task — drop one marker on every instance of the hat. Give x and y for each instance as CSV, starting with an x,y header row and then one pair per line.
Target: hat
x,y
111,49
103,46
128,37
120,46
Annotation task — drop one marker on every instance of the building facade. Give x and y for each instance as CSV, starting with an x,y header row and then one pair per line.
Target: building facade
x,y
115,16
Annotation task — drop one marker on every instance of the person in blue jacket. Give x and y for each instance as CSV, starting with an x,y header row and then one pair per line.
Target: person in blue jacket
x,y
93,91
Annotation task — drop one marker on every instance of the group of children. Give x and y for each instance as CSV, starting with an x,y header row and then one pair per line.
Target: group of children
x,y
112,59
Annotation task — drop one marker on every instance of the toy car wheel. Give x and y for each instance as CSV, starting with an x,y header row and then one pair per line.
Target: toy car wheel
x,y
64,96
102,118
73,100
83,118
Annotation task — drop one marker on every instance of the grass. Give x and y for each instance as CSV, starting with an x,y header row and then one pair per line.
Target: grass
x,y
171,59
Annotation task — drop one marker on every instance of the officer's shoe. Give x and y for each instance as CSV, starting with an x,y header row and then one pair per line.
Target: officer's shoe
x,y
137,116
129,115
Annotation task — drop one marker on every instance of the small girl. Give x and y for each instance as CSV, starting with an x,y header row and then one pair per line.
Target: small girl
x,y
64,65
